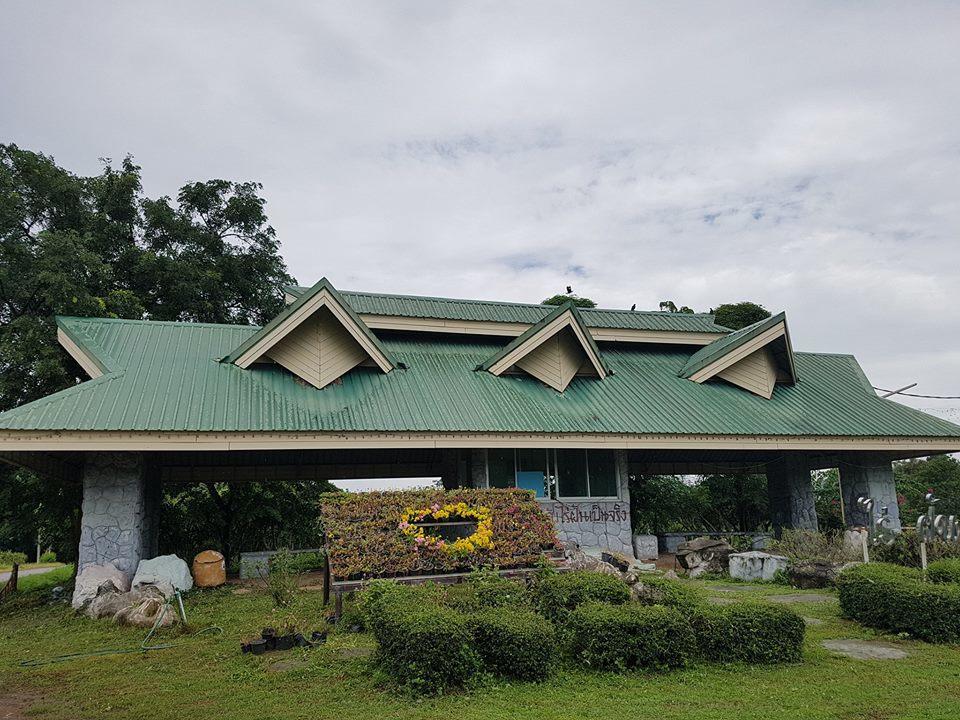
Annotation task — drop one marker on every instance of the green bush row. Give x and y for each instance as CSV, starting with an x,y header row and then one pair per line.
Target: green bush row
x,y
944,571
895,598
432,639
48,557
11,557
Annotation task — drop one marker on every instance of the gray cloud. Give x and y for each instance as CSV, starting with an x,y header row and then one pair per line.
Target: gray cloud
x,y
802,155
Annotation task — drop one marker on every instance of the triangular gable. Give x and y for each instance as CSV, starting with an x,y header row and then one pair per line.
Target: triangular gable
x,y
317,337
755,357
553,350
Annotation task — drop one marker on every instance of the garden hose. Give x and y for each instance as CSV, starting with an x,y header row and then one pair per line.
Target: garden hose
x,y
143,647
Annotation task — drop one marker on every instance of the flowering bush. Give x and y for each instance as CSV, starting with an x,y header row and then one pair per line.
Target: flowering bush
x,y
366,538
480,540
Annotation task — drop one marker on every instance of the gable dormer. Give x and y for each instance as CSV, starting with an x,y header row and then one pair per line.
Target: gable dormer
x,y
554,350
318,338
755,358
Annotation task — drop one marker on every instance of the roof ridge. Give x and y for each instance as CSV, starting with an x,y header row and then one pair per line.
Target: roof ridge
x,y
143,321
476,301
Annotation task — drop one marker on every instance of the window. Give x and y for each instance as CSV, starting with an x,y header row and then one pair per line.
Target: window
x,y
578,473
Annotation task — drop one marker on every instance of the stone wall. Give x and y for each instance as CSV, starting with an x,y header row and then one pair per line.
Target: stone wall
x,y
120,512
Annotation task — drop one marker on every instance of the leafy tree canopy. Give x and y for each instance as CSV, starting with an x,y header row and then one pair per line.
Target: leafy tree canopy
x,y
739,315
560,299
97,247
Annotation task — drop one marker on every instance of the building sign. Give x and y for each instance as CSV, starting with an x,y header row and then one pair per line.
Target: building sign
x,y
932,526
564,514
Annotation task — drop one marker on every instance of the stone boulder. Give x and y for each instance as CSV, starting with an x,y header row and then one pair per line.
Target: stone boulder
x,y
809,575
97,580
645,547
702,555
168,572
755,565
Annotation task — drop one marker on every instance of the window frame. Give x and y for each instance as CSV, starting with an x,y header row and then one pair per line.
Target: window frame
x,y
553,475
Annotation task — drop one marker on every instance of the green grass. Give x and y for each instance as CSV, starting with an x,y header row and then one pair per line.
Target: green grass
x,y
208,677
30,566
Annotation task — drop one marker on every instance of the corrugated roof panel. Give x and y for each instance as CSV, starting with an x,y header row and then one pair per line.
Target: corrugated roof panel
x,y
169,380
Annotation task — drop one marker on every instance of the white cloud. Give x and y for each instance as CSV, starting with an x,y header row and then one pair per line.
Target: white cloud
x,y
802,155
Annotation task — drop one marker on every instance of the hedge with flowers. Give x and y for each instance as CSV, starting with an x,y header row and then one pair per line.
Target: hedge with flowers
x,y
380,534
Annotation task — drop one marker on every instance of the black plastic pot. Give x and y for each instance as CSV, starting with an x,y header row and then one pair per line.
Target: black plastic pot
x,y
258,647
244,648
318,636
283,642
270,637
300,641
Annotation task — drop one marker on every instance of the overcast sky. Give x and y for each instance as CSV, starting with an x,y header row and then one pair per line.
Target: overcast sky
x,y
802,155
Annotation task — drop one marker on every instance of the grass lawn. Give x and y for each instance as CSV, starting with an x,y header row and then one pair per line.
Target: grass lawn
x,y
30,566
208,677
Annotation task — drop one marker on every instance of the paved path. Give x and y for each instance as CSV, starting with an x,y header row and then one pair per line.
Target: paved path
x,y
4,576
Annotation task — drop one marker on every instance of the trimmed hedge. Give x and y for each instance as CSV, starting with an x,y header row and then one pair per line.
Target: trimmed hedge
x,y
894,598
624,637
556,595
656,590
424,647
364,540
485,589
944,571
749,632
514,643
11,557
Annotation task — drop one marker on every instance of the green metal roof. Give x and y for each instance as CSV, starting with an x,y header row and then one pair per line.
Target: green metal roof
x,y
727,344
534,329
167,377
414,306
322,285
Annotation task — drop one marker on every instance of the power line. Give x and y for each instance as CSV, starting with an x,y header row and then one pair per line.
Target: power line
x,y
929,397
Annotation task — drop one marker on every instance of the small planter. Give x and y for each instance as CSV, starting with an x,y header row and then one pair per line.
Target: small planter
x,y
284,642
258,647
318,637
269,636
300,641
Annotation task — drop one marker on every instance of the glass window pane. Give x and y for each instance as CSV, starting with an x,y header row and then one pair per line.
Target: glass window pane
x,y
500,468
529,460
572,473
603,473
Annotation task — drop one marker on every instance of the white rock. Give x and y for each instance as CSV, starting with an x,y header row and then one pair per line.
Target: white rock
x,y
645,547
167,572
95,580
755,565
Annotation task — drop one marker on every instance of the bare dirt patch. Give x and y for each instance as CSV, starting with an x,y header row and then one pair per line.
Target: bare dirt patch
x,y
865,649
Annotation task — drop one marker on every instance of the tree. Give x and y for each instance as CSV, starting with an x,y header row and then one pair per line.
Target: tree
x,y
739,315
915,478
562,299
96,247
671,306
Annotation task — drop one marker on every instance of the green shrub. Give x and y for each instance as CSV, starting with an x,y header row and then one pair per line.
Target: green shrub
x,y
48,557
373,600
657,590
10,557
424,647
485,589
623,637
749,632
813,546
303,562
896,599
944,571
514,643
555,596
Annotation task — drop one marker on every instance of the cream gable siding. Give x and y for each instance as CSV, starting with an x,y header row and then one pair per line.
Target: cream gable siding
x,y
319,350
556,360
756,372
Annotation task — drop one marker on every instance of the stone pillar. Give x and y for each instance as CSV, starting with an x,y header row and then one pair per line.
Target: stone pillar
x,y
120,512
791,494
478,467
868,475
